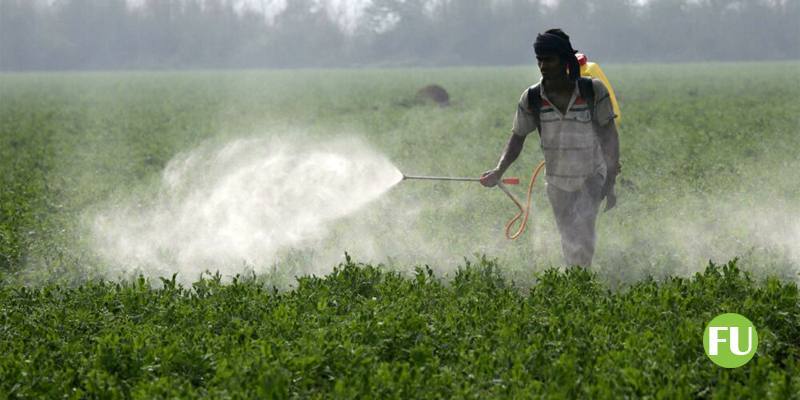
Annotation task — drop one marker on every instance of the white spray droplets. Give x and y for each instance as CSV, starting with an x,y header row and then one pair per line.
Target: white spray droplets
x,y
241,204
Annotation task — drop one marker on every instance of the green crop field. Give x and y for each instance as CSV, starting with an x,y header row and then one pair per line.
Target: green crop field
x,y
431,301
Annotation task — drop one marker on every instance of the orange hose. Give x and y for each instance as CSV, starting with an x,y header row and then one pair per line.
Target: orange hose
x,y
524,212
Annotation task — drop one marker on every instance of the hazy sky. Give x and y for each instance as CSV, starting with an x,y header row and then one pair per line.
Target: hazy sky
x,y
346,13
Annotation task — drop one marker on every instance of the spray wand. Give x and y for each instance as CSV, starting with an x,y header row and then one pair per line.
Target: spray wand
x,y
524,211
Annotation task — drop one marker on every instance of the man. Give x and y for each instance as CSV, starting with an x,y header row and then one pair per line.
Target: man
x,y
581,147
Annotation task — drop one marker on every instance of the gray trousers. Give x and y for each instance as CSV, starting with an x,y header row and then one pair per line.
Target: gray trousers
x,y
576,213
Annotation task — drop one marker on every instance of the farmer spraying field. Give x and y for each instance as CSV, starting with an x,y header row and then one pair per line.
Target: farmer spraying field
x,y
578,135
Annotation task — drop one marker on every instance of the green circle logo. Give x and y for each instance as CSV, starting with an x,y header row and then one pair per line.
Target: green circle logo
x,y
730,340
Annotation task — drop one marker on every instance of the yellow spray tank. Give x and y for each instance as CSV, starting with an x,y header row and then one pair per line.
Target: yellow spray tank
x,y
592,70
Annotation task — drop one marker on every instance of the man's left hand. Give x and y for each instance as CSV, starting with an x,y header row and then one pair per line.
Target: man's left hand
x,y
611,201
609,194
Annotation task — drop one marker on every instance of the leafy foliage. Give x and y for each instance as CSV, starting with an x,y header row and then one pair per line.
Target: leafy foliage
x,y
364,331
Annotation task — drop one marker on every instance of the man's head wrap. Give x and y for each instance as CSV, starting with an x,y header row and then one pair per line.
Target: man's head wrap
x,y
555,41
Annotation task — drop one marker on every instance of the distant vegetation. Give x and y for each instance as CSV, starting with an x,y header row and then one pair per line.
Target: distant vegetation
x,y
109,34
708,153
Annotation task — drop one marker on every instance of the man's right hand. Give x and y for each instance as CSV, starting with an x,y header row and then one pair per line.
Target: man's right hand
x,y
490,178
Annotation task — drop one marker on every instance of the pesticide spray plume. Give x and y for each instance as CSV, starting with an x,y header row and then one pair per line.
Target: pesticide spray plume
x,y
243,203
295,205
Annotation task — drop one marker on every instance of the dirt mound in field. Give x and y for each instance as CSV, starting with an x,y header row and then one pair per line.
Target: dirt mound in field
x,y
433,93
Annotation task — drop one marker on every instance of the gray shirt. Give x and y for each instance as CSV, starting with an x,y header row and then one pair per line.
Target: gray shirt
x,y
569,142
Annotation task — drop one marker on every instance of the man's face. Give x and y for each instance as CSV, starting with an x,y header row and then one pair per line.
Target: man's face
x,y
551,67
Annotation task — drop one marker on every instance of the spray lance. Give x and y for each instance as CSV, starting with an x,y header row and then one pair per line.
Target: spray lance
x,y
524,211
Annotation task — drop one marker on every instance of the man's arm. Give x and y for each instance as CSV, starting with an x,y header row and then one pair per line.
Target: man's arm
x,y
609,144
510,154
525,122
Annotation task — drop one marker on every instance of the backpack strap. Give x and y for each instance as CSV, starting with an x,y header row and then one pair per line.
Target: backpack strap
x,y
535,104
586,89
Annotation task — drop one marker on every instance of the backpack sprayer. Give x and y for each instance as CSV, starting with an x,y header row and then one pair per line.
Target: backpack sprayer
x,y
524,211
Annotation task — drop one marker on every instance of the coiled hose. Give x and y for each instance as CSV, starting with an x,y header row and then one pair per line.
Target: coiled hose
x,y
524,212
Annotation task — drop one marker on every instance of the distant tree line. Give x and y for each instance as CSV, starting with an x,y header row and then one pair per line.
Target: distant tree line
x,y
111,34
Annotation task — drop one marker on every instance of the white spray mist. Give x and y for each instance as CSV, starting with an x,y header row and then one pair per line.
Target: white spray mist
x,y
221,208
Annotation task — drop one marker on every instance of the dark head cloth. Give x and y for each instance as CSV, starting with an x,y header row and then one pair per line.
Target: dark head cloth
x,y
552,43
